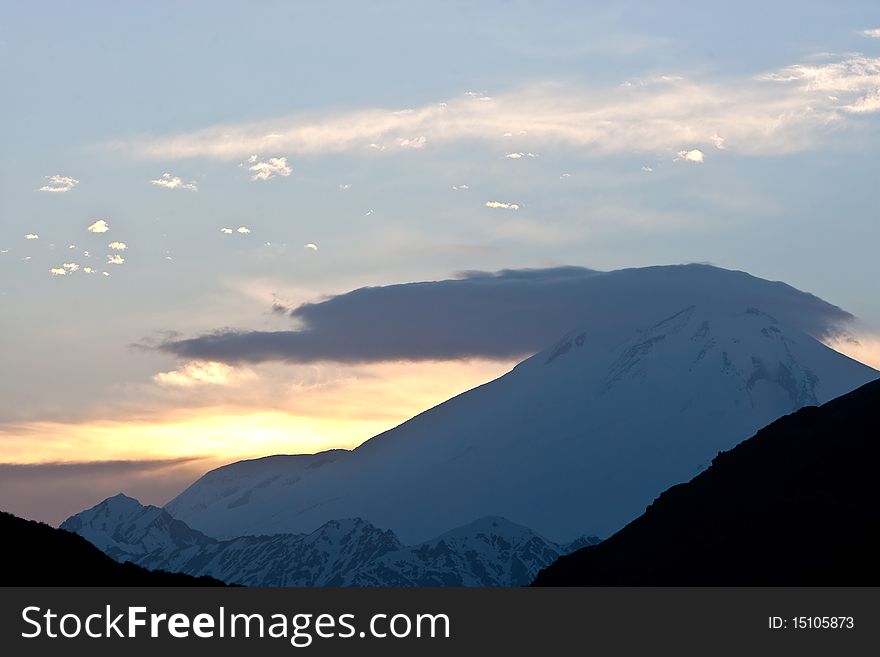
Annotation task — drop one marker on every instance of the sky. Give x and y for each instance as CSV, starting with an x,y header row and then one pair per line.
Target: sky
x,y
193,197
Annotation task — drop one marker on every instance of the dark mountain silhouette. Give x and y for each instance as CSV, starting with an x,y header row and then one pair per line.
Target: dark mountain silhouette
x,y
35,554
797,504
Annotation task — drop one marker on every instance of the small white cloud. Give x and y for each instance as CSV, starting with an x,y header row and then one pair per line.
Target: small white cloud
x,y
71,246
105,273
460,187
718,140
695,156
501,205
100,226
344,186
873,33
32,236
59,184
268,169
174,182
226,231
70,266
368,212
376,147
197,372
87,254
414,143
565,175
311,246
244,230
88,270
517,156
647,169
118,246
115,259
58,271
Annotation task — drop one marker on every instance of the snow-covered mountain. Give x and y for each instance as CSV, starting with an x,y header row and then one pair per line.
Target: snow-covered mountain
x,y
491,551
488,552
581,436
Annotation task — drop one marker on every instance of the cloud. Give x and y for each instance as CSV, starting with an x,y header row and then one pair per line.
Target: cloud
x,y
174,182
59,184
58,271
782,111
115,259
502,205
647,169
311,246
508,314
32,236
873,33
100,226
70,266
268,169
226,231
413,143
695,156
118,246
460,187
88,270
344,187
244,230
197,372
519,155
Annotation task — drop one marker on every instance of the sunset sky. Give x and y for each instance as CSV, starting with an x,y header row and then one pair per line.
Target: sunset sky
x,y
177,179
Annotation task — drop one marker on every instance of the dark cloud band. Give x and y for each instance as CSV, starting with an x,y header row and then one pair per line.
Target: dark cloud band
x,y
505,314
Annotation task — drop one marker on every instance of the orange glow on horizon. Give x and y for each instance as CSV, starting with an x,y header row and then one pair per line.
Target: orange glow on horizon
x,y
341,413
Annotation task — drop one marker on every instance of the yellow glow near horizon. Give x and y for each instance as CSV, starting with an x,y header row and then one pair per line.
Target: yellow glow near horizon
x,y
267,419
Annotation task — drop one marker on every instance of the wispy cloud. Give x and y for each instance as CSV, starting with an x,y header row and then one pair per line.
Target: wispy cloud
x,y
59,184
873,33
519,155
226,231
501,205
786,110
168,181
268,169
100,226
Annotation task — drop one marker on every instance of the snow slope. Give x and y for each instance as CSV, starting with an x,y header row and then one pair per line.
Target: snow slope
x,y
577,439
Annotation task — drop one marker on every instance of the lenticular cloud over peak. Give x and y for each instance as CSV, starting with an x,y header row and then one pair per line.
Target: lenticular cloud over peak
x,y
507,314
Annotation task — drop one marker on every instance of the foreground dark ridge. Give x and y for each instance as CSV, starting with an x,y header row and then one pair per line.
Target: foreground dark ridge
x,y
796,505
35,554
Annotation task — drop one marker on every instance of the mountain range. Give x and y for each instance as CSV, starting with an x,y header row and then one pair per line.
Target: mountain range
x,y
676,365
487,552
796,505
